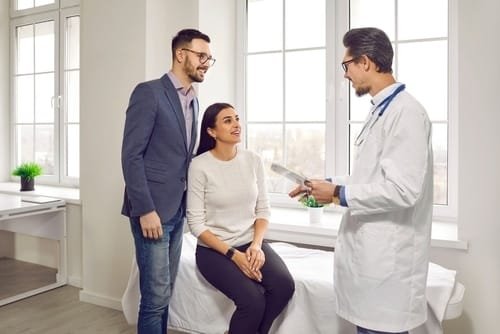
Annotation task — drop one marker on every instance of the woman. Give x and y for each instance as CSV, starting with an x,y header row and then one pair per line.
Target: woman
x,y
228,211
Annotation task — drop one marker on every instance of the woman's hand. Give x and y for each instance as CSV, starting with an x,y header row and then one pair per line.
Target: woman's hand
x,y
255,256
241,260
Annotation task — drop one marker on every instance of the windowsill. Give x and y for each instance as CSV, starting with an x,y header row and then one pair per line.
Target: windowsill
x,y
292,225
70,195
287,224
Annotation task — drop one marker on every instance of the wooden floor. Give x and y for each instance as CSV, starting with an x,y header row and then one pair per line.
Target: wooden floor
x,y
57,311
18,276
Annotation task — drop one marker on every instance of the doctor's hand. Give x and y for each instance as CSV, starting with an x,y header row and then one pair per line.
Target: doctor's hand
x,y
151,225
240,259
301,189
322,190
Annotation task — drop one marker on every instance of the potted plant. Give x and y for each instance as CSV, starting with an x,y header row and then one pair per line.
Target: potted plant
x,y
315,209
27,171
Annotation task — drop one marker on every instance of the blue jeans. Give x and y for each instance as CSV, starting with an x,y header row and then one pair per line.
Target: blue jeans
x,y
158,262
362,330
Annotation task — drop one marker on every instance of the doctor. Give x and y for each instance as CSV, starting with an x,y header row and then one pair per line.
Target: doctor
x,y
382,249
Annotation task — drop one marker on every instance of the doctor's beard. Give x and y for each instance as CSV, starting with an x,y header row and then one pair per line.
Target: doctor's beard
x,y
360,91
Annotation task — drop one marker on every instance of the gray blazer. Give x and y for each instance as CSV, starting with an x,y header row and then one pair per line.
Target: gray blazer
x,y
155,157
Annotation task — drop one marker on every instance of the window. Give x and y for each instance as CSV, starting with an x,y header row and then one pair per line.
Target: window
x,y
301,112
45,91
286,85
27,4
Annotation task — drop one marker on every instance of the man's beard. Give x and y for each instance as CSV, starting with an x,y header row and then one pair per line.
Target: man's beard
x,y
195,78
192,73
362,91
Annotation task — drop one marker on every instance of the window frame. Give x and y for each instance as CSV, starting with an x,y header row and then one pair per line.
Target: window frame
x,y
56,12
30,11
65,13
337,96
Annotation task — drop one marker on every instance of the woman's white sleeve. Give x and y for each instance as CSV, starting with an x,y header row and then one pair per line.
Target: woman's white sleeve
x,y
262,207
196,213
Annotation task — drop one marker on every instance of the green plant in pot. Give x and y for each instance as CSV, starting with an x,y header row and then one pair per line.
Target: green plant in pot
x,y
27,172
315,209
310,202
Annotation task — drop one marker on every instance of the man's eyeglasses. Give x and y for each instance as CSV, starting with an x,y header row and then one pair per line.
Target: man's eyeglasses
x,y
204,58
345,64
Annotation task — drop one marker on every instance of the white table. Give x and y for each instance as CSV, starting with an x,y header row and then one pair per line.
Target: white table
x,y
45,220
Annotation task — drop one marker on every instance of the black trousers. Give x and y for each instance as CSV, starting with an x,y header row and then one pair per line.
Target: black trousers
x,y
257,303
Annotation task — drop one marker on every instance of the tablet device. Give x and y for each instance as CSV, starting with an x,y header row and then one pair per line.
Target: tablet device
x,y
289,174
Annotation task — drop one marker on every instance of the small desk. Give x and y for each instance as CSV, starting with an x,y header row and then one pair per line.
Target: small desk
x,y
45,220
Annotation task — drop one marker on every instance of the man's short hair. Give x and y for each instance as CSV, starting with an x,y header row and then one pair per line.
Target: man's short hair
x,y
373,43
185,36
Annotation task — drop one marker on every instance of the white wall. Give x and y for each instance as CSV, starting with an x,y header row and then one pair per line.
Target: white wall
x,y
218,20
112,60
4,91
479,168
74,243
119,45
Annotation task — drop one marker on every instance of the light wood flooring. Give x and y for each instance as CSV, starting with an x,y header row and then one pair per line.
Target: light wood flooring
x,y
58,311
18,276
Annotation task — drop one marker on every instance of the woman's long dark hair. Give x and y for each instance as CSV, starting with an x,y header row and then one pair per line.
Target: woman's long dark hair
x,y
206,141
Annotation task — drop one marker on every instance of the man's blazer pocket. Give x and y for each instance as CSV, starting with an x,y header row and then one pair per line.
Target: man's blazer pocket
x,y
156,171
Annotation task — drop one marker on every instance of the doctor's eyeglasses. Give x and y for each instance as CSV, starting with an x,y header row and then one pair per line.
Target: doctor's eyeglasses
x,y
204,58
345,64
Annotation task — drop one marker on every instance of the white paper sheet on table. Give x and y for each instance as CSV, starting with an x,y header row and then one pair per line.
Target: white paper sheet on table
x,y
197,307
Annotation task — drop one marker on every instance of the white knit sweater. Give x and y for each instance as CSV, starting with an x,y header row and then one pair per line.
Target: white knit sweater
x,y
226,197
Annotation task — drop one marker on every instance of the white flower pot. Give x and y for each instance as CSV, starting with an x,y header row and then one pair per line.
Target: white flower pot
x,y
315,215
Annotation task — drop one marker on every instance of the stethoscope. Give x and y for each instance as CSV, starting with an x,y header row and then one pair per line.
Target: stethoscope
x,y
371,122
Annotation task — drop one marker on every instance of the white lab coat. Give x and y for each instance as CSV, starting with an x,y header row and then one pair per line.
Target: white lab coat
x,y
382,249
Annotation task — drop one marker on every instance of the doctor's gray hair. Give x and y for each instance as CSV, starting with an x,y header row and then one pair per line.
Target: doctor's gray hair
x,y
373,43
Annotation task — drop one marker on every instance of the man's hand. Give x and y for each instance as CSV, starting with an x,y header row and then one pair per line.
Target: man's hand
x,y
301,189
321,190
151,225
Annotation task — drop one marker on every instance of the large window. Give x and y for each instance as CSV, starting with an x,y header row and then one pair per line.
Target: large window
x,y
45,89
286,85
301,112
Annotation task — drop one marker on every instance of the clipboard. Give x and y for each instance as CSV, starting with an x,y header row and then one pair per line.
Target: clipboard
x,y
288,173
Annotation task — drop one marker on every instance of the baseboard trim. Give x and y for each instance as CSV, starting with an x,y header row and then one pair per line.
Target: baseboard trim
x,y
75,281
96,299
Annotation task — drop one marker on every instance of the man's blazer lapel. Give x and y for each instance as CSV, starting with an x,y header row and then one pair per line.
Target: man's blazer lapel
x,y
173,99
194,130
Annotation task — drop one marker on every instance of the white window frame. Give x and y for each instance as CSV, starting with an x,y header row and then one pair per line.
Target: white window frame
x,y
337,156
31,11
32,16
64,179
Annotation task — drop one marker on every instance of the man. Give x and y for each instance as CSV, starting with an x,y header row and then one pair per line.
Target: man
x,y
158,142
382,249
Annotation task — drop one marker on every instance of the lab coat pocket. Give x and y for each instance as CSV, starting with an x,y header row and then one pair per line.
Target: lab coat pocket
x,y
374,253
